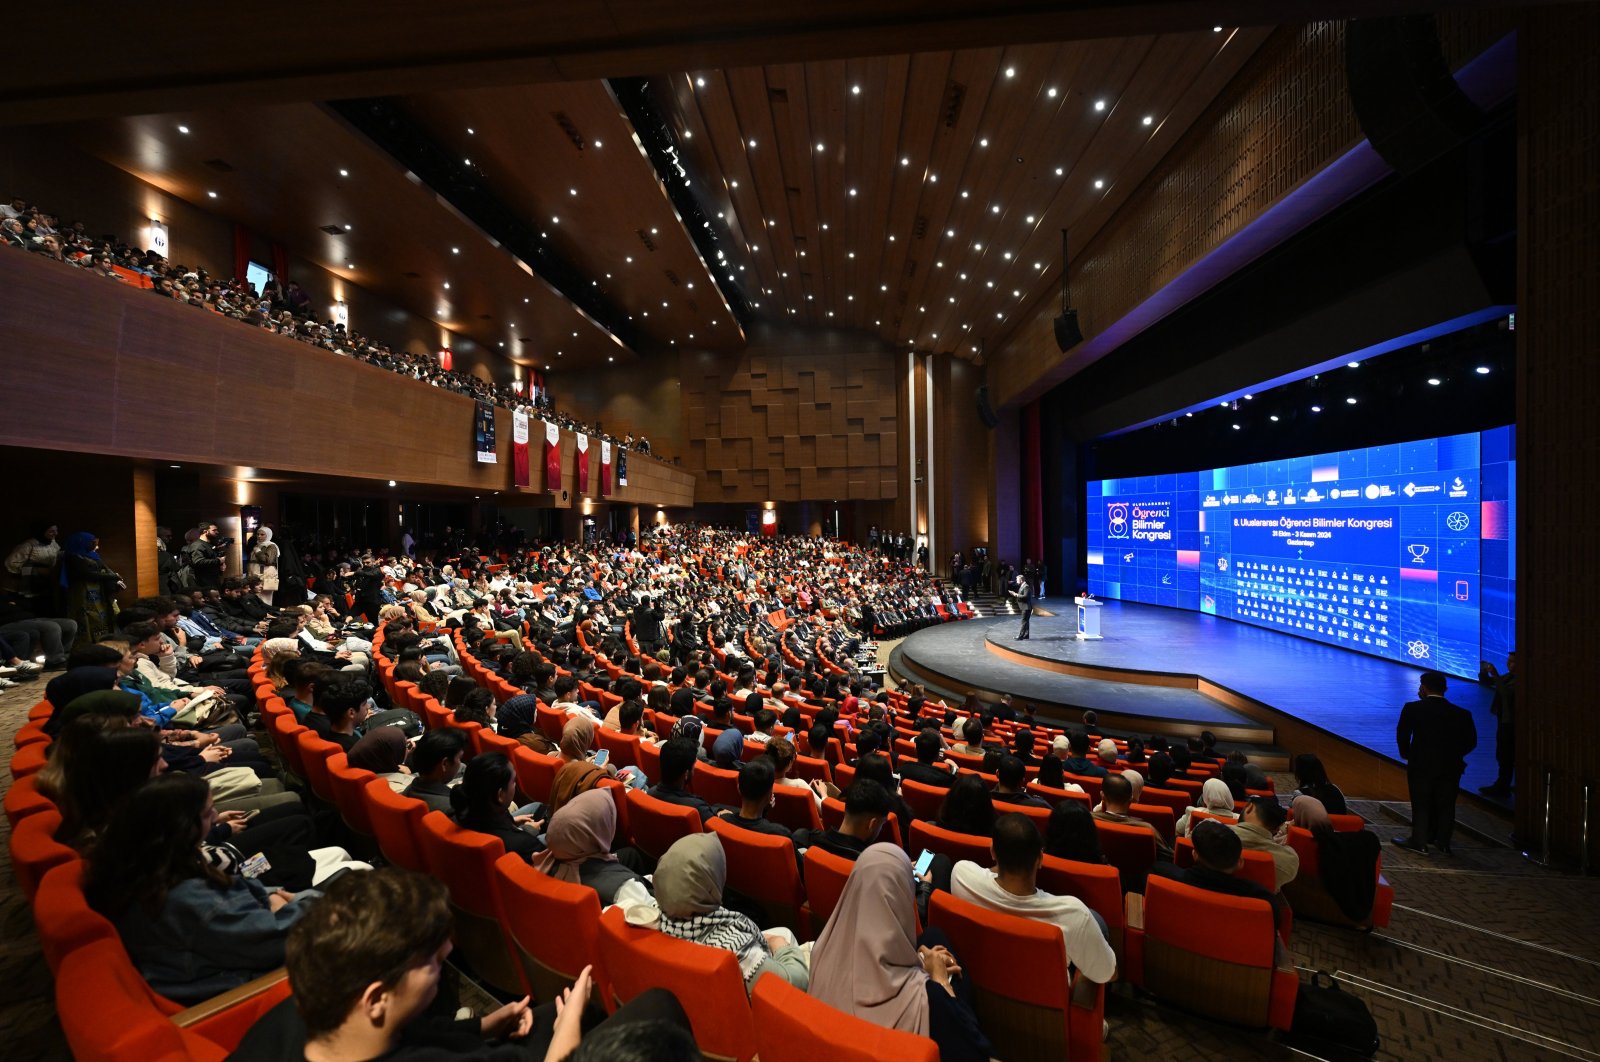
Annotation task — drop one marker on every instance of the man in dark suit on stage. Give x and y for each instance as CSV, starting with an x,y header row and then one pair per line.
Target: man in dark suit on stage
x,y
1434,738
1022,590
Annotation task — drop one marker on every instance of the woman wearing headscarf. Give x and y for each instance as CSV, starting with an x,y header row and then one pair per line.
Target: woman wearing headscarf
x,y
1308,813
728,750
578,848
688,883
577,774
90,587
383,752
264,562
869,961
1216,799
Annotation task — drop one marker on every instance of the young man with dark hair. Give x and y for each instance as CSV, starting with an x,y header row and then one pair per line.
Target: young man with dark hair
x,y
677,766
1263,817
1218,857
1011,784
1434,737
1012,887
928,769
867,806
756,780
434,763
1079,762
763,721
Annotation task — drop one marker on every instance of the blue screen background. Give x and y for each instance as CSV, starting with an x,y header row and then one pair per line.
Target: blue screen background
x,y
1405,551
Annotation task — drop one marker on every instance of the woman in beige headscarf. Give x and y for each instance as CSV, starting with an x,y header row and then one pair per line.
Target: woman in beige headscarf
x,y
870,963
689,882
577,773
264,562
578,847
1216,800
1308,813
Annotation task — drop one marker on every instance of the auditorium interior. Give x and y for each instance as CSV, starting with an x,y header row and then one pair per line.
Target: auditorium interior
x,y
863,337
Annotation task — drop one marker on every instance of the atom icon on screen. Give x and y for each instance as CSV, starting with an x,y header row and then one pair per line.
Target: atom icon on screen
x,y
1418,649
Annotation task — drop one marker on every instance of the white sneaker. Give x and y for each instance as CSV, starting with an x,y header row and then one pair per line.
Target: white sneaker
x,y
7,670
6,684
29,667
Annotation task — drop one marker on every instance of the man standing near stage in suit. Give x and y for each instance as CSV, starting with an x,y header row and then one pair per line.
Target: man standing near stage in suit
x,y
1434,738
1505,731
1022,590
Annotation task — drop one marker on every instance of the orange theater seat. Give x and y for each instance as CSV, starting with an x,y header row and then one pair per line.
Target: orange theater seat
x,y
925,801
24,799
715,785
464,860
314,756
762,867
350,795
35,850
624,748
793,1027
106,1012
1099,885
1159,817
1056,796
833,817
63,916
795,808
655,824
1309,897
536,772
719,1011
28,760
1131,849
1044,1014
825,877
1210,953
395,821
957,846
554,926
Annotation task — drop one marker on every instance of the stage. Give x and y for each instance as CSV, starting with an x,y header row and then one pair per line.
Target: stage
x,y
1162,670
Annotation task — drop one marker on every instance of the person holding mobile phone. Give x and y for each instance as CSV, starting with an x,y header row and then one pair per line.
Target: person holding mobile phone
x,y
577,774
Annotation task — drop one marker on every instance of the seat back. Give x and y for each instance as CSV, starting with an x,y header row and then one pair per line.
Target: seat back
x,y
536,772
550,721
63,916
925,801
1257,866
1213,954
1089,785
554,926
1131,849
464,860
28,760
825,877
655,824
716,785
24,798
285,732
957,846
314,756
762,867
105,1009
832,813
648,755
1099,885
791,1026
1159,817
794,807
350,793
640,959
1175,799
1025,1017
624,748
35,850
811,769
395,820
1056,796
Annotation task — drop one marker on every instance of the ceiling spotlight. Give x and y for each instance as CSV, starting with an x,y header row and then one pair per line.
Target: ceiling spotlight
x,y
883,287
1099,105
995,209
524,300
1011,71
855,90
1273,418
466,162
852,192
984,142
1051,92
1028,220
1149,120
391,482
1482,370
1352,365
820,146
1216,29
211,195
447,285
349,265
1434,381
629,259
344,173
752,142
1350,401
598,144
1060,171
905,162
933,178
184,130
1316,409
964,195
700,82
1099,184
455,250
688,134
347,228
1236,427
850,254
572,191
471,131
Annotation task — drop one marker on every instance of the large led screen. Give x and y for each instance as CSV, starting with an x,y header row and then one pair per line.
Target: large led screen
x,y
1401,551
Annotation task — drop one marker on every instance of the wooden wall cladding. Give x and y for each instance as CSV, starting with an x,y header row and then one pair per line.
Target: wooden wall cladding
x,y
788,420
96,367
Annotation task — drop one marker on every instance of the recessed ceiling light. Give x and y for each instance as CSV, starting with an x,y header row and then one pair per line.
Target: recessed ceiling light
x,y
185,130
752,141
349,265
629,260
891,238
933,178
1236,427
391,482
471,131
1350,401
611,359
1216,29
1482,370
965,194
502,343
850,254
950,232
963,276
572,191
977,246
820,146
598,144
1060,171
1038,265
855,90
1028,220
1099,184
447,285
347,228
905,162
1434,381
984,142
700,82
1352,365
344,173
688,134
883,287
995,209
1149,120
455,250
466,162
849,298
1099,105
852,192
938,265
733,184
1008,256
1011,71
1273,418
952,298
1316,409
1051,92
211,195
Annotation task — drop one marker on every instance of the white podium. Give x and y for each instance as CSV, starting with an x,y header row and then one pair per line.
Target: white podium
x,y
1088,619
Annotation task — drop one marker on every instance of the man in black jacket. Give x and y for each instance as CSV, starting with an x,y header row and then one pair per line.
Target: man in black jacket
x,y
647,626
206,557
928,770
1434,737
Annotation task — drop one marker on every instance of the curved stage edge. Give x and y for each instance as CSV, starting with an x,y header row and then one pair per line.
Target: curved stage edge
x,y
1176,673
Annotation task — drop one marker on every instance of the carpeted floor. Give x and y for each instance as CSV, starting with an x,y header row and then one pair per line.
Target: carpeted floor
x,y
1488,957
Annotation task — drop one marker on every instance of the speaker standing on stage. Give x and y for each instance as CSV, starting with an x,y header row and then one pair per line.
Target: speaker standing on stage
x,y
1434,738
1022,590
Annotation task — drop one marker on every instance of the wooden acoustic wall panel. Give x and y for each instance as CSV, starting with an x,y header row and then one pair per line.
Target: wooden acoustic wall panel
x,y
1558,448
93,366
792,419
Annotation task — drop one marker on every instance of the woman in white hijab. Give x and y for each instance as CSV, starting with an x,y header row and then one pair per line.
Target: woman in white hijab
x,y
264,562
688,885
869,961
1215,800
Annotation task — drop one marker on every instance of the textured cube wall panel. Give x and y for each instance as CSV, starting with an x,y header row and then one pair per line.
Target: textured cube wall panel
x,y
787,422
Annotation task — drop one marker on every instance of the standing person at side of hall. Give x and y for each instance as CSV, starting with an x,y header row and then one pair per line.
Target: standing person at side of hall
x,y
1434,737
1022,591
1505,730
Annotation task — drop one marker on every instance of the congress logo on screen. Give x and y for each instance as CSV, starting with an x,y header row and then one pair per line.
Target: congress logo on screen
x,y
1117,520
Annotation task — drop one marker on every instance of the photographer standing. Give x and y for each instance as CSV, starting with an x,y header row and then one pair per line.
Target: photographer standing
x,y
206,556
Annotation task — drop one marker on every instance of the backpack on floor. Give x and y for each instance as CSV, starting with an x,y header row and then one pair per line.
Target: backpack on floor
x,y
1332,1023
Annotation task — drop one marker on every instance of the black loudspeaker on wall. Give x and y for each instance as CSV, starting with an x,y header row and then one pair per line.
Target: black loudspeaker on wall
x,y
985,410
1406,99
1068,334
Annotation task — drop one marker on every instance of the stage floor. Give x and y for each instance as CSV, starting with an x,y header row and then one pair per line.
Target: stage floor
x,y
1355,696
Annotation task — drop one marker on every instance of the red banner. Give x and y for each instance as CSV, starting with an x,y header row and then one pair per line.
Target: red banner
x,y
552,457
605,468
583,464
519,448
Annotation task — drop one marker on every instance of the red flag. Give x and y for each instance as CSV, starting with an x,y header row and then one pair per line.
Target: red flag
x,y
605,467
583,464
519,448
552,457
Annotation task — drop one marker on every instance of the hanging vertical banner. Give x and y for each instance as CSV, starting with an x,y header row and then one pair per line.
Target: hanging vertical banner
x,y
552,457
519,448
583,464
622,467
605,467
483,434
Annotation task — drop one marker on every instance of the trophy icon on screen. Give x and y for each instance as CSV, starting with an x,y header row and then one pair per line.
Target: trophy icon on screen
x,y
1418,550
